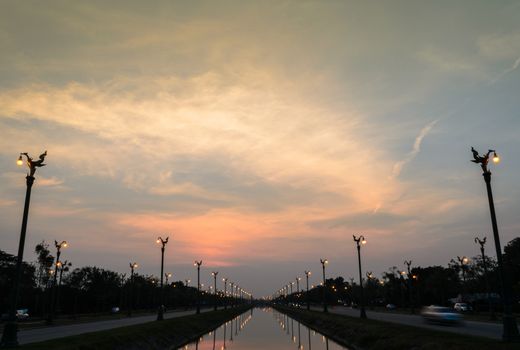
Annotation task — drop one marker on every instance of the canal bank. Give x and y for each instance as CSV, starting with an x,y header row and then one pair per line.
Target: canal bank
x,y
359,334
167,334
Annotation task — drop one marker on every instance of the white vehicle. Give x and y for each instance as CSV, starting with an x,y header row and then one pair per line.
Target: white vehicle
x,y
462,307
441,314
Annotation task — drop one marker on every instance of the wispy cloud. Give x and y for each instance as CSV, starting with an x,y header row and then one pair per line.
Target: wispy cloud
x,y
398,167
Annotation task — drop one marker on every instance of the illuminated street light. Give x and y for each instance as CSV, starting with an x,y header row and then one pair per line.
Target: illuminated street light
x,y
307,274
133,266
9,335
411,278
360,241
198,263
62,244
323,263
214,274
168,275
160,311
510,328
225,292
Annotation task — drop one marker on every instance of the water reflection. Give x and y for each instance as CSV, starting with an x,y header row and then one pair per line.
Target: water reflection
x,y
256,330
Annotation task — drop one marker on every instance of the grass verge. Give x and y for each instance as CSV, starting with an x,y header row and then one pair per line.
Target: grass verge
x,y
356,333
169,333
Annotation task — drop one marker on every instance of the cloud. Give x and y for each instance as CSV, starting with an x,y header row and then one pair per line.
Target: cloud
x,y
398,167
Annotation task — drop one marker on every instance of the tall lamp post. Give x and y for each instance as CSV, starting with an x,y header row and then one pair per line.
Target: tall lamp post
x,y
133,266
323,263
307,274
62,244
225,292
482,243
408,264
510,328
198,263
298,279
463,261
167,275
10,333
359,241
214,274
231,284
160,311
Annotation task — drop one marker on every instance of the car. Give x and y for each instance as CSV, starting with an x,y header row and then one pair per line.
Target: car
x,y
391,306
462,307
441,314
22,314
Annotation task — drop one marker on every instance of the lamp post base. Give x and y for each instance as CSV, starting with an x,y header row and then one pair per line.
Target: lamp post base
x,y
160,313
510,329
10,335
363,313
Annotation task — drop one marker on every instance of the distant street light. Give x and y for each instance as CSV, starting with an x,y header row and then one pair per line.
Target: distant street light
x,y
214,274
463,261
58,246
160,311
482,243
167,275
298,279
359,241
10,333
307,274
323,263
408,264
187,282
198,263
225,292
231,284
510,328
133,266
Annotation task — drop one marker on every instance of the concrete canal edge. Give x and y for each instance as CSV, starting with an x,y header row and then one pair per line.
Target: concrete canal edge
x,y
168,334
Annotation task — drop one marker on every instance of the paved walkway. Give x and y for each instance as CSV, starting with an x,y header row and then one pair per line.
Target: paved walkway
x,y
26,336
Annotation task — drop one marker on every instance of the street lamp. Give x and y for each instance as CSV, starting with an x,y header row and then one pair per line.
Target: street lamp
x,y
160,311
214,274
167,275
62,244
225,292
133,266
408,264
323,263
298,279
231,291
9,335
463,261
198,263
307,274
360,241
482,243
510,329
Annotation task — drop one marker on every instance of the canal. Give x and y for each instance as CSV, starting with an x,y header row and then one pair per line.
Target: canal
x,y
263,328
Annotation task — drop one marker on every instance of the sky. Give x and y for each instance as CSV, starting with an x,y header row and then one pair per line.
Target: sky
x,y
259,135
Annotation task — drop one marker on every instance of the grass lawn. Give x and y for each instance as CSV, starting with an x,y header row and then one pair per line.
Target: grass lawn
x,y
377,335
153,335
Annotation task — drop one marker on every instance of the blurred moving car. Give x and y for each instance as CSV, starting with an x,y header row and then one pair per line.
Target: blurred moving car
x,y
22,314
441,314
391,306
462,307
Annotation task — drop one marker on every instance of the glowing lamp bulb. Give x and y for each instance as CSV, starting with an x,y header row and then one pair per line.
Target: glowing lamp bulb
x,y
364,241
19,161
496,158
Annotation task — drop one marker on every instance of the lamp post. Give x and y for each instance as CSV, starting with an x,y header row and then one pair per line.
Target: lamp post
x,y
482,243
307,274
231,291
359,241
408,264
198,263
64,266
323,263
225,292
167,275
214,274
510,328
160,311
187,282
62,244
463,261
9,335
298,279
133,266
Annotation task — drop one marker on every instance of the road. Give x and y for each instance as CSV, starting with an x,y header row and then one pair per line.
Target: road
x,y
27,336
474,328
